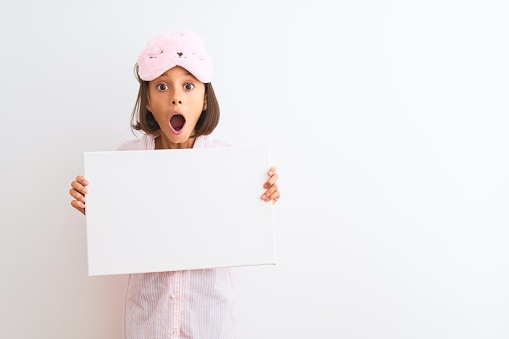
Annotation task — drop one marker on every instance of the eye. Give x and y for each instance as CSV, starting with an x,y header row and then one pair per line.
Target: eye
x,y
162,87
188,87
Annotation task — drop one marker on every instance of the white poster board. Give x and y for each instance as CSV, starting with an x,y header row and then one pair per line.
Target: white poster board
x,y
166,210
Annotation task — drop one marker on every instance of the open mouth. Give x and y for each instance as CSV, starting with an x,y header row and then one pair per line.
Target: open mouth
x,y
177,122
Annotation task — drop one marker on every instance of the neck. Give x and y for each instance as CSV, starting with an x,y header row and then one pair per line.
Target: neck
x,y
164,143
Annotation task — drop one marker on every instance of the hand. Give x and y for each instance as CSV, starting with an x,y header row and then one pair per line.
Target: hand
x,y
78,192
272,192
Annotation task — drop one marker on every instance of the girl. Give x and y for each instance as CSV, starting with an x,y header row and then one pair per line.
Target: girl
x,y
176,108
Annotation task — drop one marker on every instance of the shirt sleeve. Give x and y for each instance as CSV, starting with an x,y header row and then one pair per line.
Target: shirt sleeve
x,y
146,142
129,145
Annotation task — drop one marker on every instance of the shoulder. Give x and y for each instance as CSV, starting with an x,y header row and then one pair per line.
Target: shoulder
x,y
207,141
146,142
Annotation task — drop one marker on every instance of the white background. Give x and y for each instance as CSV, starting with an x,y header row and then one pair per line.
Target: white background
x,y
387,120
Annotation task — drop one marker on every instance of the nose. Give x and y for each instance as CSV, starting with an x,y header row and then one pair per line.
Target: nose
x,y
176,99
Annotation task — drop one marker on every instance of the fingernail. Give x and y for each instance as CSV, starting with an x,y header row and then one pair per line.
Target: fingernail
x,y
270,173
263,197
265,186
82,200
267,199
85,190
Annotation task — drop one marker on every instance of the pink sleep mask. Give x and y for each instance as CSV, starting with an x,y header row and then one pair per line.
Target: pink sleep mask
x,y
166,51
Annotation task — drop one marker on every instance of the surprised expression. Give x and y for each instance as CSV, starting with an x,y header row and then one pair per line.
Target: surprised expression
x,y
176,99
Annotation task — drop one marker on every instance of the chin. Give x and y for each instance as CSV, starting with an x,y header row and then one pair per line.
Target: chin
x,y
179,139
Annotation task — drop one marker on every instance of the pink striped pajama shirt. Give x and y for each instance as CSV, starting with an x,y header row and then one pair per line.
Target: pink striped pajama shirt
x,y
195,304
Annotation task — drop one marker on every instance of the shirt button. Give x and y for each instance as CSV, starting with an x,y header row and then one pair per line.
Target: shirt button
x,y
174,332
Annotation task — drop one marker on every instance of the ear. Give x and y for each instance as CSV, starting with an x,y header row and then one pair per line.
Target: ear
x,y
205,102
148,104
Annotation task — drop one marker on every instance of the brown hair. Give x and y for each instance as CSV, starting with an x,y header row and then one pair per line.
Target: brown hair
x,y
143,119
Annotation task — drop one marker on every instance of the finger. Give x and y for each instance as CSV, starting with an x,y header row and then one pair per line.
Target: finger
x,y
272,189
274,197
271,171
267,194
76,195
78,205
272,180
81,179
80,188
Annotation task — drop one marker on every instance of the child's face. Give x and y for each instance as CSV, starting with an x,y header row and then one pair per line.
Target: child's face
x,y
176,99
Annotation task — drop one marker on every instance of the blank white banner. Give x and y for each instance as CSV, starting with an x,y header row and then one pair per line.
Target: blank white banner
x,y
166,210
